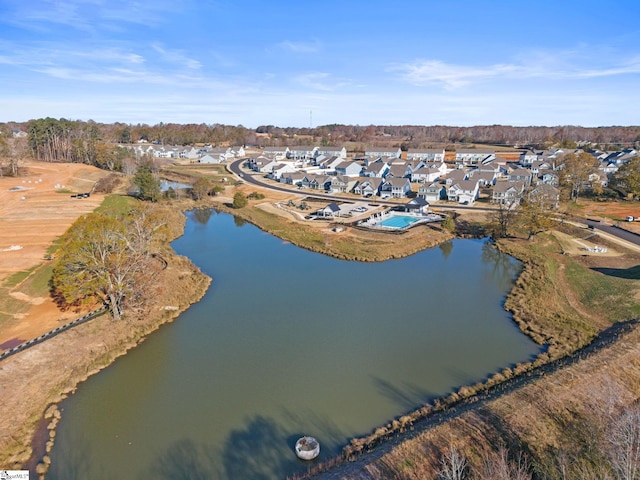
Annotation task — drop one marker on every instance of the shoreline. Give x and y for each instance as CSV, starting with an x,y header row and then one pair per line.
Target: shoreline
x,y
28,427
48,416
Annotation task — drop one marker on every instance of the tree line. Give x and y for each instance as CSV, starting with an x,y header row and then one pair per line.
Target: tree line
x,y
53,139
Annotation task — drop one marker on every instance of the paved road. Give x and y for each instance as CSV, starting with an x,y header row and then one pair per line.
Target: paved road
x,y
612,230
258,181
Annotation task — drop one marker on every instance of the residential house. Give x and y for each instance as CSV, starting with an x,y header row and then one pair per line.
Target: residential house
x,y
426,154
395,187
192,153
279,153
332,151
368,186
527,158
425,175
484,179
294,178
378,169
320,182
433,192
209,159
507,193
381,153
599,177
349,169
440,166
237,151
548,195
301,152
455,176
540,165
520,175
262,164
339,184
280,169
399,171
548,177
473,156
464,191
329,163
17,133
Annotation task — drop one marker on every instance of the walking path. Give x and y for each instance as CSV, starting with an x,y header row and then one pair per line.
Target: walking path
x,y
52,333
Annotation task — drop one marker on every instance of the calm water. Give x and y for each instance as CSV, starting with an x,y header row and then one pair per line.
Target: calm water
x,y
288,342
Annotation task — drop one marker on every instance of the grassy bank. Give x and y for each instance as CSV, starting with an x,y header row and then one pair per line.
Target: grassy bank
x,y
351,244
561,301
55,367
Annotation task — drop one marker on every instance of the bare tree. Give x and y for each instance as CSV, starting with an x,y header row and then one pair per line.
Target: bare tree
x,y
453,465
499,467
13,151
502,219
624,444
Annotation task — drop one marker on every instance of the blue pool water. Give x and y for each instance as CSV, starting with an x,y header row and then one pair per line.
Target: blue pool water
x,y
398,221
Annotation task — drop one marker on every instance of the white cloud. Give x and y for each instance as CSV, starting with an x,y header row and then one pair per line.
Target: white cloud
x,y
452,76
301,47
177,57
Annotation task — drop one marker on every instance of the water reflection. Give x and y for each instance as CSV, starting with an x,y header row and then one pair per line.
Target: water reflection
x,y
202,215
502,267
446,249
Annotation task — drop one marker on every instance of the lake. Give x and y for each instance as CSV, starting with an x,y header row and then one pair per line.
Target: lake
x,y
287,342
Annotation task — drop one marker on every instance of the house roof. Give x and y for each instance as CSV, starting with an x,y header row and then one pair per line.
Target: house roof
x,y
503,187
418,201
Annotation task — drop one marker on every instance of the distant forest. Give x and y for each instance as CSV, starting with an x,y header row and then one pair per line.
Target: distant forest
x,y
75,140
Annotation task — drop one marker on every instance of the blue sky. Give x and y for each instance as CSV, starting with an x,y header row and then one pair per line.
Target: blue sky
x,y
420,62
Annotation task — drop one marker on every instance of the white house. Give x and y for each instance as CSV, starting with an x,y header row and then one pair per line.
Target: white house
x,y
507,193
395,187
473,156
527,158
427,154
379,169
280,169
368,186
425,175
302,152
209,159
279,153
332,151
433,192
464,191
381,152
349,169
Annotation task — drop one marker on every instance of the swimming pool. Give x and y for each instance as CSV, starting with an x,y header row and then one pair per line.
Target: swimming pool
x,y
398,221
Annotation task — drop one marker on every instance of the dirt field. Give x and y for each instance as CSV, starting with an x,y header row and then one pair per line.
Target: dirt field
x,y
613,212
35,209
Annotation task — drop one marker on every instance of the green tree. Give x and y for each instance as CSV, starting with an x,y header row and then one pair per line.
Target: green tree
x,y
240,200
201,188
148,184
575,172
627,178
109,259
449,224
537,212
